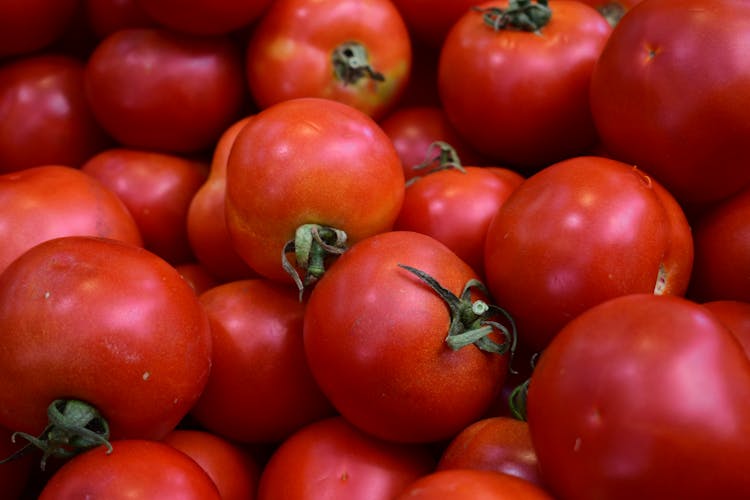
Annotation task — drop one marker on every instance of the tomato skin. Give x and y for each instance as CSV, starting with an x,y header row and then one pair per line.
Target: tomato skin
x,y
637,398
44,115
93,319
155,89
580,232
294,42
653,108
107,16
157,188
84,207
735,315
469,484
429,20
313,151
260,389
521,98
136,469
334,460
197,276
375,341
33,25
204,17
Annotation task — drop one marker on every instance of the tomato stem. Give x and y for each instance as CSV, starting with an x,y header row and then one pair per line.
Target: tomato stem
x,y
312,245
73,426
351,63
446,158
521,15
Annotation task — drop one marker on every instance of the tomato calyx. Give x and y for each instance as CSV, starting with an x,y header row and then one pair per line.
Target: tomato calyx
x,y
312,245
74,426
446,158
471,321
521,15
351,63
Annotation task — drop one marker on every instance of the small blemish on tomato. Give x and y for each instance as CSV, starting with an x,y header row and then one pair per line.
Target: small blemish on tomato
x,y
146,375
47,294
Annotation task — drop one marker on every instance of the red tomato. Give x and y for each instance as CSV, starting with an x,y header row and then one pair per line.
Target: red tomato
x,y
103,322
197,276
260,389
353,51
204,17
157,188
375,339
500,444
735,315
31,25
156,89
637,398
664,95
721,236
468,484
234,471
206,221
333,460
135,469
522,97
309,161
107,16
44,115
429,20
42,203
577,233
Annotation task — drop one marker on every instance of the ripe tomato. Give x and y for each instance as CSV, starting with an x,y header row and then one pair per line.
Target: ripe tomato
x,y
156,89
469,484
46,202
333,460
197,276
260,389
44,115
33,24
104,17
102,322
353,51
577,233
204,17
637,398
308,161
735,315
429,20
522,97
233,470
375,339
134,469
664,95
157,188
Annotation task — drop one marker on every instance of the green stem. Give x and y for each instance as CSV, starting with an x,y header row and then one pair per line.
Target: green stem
x,y
312,245
521,15
351,63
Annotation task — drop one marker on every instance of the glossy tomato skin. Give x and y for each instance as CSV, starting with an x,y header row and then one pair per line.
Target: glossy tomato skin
x,y
260,389
155,89
654,107
637,398
580,232
735,315
471,484
308,160
97,320
66,202
136,469
295,40
375,341
157,188
44,115
32,25
518,97
204,17
334,460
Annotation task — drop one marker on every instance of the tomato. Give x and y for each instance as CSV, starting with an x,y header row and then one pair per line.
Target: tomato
x,y
204,17
206,221
107,16
721,236
98,321
197,276
32,25
577,233
331,459
735,315
157,188
664,95
637,398
353,51
520,97
260,389
44,115
155,89
234,471
468,484
500,444
612,10
303,162
42,203
375,339
429,21
136,469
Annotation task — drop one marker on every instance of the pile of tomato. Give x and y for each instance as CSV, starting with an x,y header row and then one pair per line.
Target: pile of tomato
x,y
375,249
